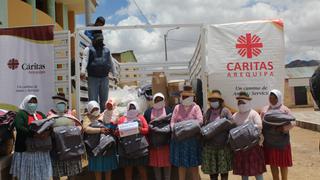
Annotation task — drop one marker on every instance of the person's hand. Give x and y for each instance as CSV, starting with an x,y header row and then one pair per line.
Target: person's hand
x,y
83,76
115,80
261,140
104,130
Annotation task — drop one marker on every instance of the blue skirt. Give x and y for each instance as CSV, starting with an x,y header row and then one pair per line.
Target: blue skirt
x,y
186,153
31,165
103,163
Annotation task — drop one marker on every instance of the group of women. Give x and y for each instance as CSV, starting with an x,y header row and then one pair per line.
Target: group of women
x,y
187,155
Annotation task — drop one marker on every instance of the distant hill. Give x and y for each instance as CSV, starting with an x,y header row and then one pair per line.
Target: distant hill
x,y
302,63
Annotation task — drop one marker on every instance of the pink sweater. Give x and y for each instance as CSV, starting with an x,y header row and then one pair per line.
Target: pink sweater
x,y
182,113
252,115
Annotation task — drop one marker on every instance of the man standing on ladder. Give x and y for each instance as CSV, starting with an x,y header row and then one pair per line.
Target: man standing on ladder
x,y
98,63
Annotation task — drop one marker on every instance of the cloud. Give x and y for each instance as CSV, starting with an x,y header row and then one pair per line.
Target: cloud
x,y
301,18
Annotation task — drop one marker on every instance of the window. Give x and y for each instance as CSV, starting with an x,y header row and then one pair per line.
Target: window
x,y
42,5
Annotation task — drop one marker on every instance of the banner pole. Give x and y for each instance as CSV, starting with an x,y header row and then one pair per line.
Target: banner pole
x,y
203,56
69,69
77,74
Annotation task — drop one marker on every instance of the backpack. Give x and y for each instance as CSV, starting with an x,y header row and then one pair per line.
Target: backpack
x,y
6,126
133,147
314,83
42,125
39,127
277,117
216,133
68,142
99,144
274,138
160,131
244,136
6,132
186,129
214,128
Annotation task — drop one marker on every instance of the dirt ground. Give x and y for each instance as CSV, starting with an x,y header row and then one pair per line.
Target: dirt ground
x,y
306,157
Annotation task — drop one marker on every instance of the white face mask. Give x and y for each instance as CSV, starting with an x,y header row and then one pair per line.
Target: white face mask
x,y
188,101
95,113
215,105
159,105
244,107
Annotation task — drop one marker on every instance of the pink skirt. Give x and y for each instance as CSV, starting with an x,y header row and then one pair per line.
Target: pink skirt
x,y
278,157
160,156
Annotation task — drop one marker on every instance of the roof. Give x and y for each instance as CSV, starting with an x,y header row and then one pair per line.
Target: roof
x,y
300,72
125,57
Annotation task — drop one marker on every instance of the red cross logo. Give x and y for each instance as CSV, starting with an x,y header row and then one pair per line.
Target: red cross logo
x,y
249,45
13,64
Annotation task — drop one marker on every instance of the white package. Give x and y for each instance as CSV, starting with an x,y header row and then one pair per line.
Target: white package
x,y
128,129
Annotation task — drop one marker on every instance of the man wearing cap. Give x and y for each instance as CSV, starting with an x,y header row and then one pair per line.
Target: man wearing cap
x,y
98,63
249,162
100,21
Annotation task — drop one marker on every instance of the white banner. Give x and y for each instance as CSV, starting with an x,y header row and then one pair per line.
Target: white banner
x,y
247,56
26,66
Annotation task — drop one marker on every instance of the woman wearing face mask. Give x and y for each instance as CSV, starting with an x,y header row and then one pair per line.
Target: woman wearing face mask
x,y
99,164
248,162
278,157
29,165
60,105
159,157
186,154
216,159
110,115
133,114
61,168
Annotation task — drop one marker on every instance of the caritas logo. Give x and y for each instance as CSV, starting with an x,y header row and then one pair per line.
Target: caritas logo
x,y
13,64
249,46
34,68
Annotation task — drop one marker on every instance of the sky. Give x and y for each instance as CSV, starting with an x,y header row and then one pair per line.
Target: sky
x,y
301,19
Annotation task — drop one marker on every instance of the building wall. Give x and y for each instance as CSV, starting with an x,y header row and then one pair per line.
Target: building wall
x,y
3,13
128,56
19,19
288,94
289,98
310,98
27,18
59,13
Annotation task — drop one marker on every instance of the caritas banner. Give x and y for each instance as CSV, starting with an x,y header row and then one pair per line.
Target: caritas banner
x,y
246,56
26,66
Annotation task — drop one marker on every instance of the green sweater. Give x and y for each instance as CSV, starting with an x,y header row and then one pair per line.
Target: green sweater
x,y
23,131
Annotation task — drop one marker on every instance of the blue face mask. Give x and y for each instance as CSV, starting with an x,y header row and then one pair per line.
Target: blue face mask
x,y
61,107
32,107
215,105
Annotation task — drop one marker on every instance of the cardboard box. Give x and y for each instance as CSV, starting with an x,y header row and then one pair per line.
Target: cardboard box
x,y
159,84
174,89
